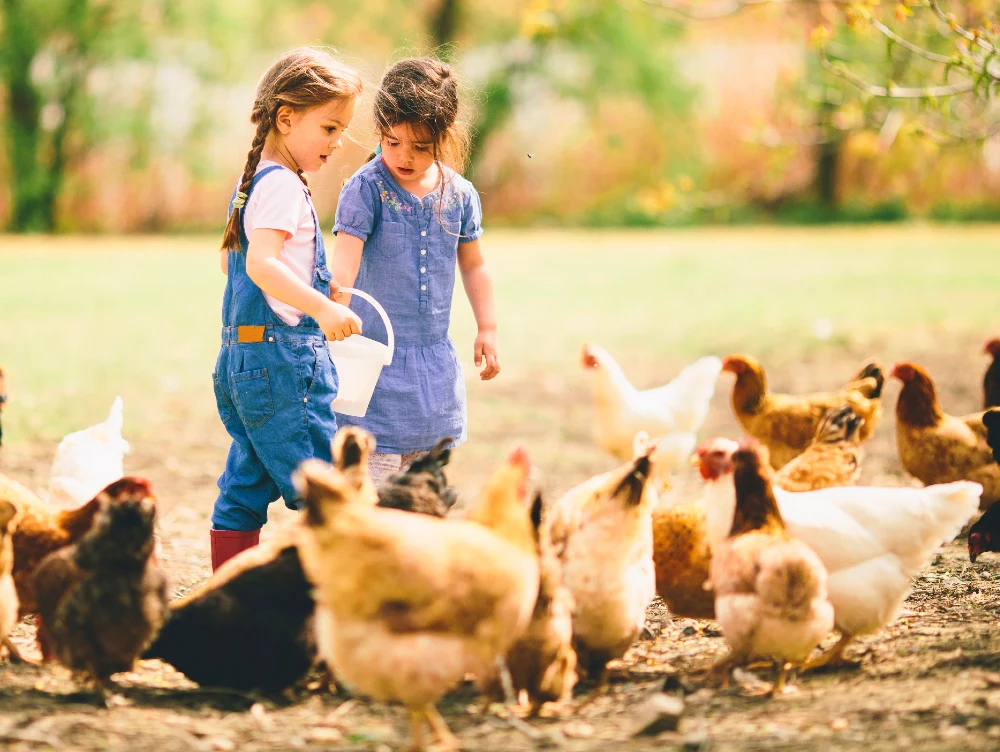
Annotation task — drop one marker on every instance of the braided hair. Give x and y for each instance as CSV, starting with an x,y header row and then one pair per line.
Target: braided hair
x,y
301,79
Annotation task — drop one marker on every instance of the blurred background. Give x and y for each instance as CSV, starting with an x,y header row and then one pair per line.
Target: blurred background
x,y
132,115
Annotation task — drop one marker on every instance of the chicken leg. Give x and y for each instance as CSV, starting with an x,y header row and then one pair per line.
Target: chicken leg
x,y
832,657
446,740
14,654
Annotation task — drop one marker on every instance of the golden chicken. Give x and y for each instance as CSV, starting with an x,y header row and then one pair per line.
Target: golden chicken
x,y
770,588
785,423
408,604
832,459
681,559
602,532
9,518
935,447
542,662
102,600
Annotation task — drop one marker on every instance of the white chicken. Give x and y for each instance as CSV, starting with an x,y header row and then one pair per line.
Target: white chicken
x,y
87,461
671,414
872,541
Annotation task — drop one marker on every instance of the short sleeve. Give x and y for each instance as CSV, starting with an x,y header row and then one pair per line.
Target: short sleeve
x,y
276,203
356,208
472,215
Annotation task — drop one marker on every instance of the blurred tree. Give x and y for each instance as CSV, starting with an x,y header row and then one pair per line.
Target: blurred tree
x,y
906,69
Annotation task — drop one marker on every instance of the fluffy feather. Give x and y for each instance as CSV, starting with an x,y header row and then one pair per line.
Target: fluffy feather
x,y
832,459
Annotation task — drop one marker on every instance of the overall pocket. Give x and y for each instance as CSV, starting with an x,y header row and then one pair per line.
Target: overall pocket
x,y
252,390
222,402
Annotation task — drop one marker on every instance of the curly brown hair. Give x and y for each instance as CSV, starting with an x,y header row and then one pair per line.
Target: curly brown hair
x,y
304,78
423,91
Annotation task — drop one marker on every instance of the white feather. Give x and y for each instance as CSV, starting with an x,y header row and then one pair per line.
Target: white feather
x,y
89,460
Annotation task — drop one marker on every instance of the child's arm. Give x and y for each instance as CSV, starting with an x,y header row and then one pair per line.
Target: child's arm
x,y
345,264
224,262
478,283
277,280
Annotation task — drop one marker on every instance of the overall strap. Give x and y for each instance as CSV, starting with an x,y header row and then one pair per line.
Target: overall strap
x,y
244,240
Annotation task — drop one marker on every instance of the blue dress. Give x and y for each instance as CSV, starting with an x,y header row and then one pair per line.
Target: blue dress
x,y
408,265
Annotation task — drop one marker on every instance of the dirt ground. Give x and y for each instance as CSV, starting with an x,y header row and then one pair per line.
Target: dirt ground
x,y
929,681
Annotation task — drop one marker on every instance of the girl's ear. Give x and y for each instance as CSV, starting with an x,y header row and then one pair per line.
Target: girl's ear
x,y
283,119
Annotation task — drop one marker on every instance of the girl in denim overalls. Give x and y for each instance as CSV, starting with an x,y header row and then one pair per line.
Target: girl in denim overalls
x,y
274,380
403,221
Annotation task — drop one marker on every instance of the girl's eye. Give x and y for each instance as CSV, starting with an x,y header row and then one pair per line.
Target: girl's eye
x,y
392,144
422,148
331,128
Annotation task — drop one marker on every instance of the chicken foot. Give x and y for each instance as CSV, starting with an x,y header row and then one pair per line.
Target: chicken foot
x,y
14,654
832,657
446,740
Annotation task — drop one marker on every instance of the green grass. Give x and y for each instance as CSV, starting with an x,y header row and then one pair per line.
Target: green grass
x,y
82,320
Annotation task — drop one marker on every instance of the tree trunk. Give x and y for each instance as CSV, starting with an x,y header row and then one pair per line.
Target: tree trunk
x,y
444,24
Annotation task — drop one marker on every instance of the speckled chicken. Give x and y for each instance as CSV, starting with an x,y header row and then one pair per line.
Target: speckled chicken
x,y
770,588
785,423
681,558
832,459
542,662
103,599
9,518
935,447
408,604
602,532
422,486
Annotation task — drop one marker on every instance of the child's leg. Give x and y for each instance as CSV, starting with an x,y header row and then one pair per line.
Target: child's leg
x,y
382,465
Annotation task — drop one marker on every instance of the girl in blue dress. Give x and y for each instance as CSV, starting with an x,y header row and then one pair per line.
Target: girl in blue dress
x,y
405,220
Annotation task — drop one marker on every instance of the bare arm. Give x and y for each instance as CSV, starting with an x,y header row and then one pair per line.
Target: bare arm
x,y
224,262
478,283
345,264
278,281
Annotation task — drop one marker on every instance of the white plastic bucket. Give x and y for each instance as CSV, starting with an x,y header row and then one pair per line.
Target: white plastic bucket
x,y
359,362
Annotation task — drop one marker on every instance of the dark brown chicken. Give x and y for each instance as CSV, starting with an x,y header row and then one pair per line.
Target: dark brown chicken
x,y
786,423
102,600
833,458
41,531
991,379
935,447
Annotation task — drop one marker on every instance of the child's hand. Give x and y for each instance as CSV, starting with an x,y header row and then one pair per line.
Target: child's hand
x,y
486,349
338,322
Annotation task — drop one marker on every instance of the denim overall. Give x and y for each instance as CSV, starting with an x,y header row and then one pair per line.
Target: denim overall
x,y
273,387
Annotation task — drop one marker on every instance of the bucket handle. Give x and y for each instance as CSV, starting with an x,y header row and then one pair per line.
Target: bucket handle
x,y
381,312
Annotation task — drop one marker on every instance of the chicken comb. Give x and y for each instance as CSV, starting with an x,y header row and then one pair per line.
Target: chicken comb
x,y
992,346
131,486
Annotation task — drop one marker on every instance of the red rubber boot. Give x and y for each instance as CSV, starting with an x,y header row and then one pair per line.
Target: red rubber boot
x,y
227,543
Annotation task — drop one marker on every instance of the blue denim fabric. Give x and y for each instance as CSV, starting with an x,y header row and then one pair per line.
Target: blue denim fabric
x,y
408,265
273,396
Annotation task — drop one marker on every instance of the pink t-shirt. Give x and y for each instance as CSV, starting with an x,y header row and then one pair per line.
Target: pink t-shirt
x,y
279,202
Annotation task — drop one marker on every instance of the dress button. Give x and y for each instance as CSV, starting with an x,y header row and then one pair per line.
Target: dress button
x,y
423,269
423,287
270,339
423,251
423,233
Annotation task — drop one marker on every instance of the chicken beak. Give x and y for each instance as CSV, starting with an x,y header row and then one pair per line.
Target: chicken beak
x,y
694,460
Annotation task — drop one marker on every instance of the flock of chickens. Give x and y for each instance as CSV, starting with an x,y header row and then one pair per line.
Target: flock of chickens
x,y
400,596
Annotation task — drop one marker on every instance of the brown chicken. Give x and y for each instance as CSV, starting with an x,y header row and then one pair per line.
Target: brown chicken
x,y
602,533
542,662
991,379
408,604
787,423
102,599
770,588
935,447
833,458
40,532
9,518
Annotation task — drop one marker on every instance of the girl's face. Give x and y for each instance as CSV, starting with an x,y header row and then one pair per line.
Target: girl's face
x,y
310,136
408,151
